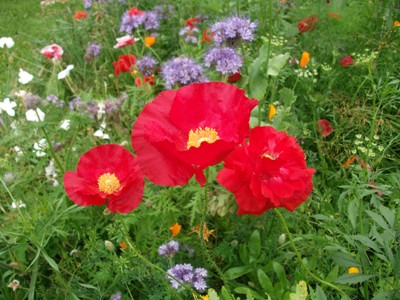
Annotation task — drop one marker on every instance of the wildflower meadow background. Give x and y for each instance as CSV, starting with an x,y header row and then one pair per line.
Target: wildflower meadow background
x,y
204,149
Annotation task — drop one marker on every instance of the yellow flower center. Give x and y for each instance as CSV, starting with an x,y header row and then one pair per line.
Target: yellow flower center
x,y
270,156
108,183
209,135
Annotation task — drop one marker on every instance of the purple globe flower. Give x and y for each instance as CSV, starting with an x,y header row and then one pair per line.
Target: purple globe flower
x,y
151,20
92,51
226,60
232,30
187,275
169,249
130,22
181,71
146,65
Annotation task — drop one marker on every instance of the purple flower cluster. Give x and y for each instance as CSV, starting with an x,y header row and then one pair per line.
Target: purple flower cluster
x,y
92,107
112,105
186,274
53,99
169,249
226,60
181,71
190,34
116,296
32,101
146,65
149,19
232,30
87,4
164,11
92,51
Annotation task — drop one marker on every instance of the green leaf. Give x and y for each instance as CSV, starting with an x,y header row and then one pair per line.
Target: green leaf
x,y
367,242
275,64
333,274
254,246
226,295
51,261
212,295
89,286
280,272
388,214
353,213
301,291
353,278
320,293
257,80
378,219
345,260
237,272
287,96
264,281
250,294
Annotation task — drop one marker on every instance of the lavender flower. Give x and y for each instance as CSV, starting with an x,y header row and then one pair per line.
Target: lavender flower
x,y
53,99
169,249
112,105
164,11
130,22
226,60
146,65
87,4
32,101
92,51
76,104
186,274
92,107
9,177
182,71
116,296
190,34
151,20
232,30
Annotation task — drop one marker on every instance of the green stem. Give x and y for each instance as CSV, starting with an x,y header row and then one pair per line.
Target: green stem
x,y
137,253
301,260
204,207
52,153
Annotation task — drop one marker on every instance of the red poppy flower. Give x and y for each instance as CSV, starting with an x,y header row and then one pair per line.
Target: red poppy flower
x,y
234,77
308,24
106,172
139,81
190,22
181,132
345,62
269,172
324,127
80,15
135,12
208,36
124,63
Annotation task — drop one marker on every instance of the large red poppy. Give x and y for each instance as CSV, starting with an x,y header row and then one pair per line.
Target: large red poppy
x,y
124,63
268,172
181,132
106,172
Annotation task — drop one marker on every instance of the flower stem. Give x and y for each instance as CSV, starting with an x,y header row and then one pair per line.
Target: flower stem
x,y
204,207
301,260
137,253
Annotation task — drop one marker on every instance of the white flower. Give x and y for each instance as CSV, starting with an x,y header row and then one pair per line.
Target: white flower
x,y
65,73
35,115
51,173
24,77
101,110
40,147
6,42
99,133
8,107
65,124
21,93
17,204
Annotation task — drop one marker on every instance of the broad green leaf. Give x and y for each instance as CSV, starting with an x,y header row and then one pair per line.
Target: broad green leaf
x,y
345,260
320,293
225,294
353,213
280,272
257,80
378,219
275,64
234,273
388,214
244,290
333,274
51,261
212,295
301,291
367,242
254,245
264,281
353,278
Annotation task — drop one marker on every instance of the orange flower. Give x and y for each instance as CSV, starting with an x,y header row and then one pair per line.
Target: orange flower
x,y
175,229
123,245
80,15
305,58
149,41
350,160
396,24
206,232
272,111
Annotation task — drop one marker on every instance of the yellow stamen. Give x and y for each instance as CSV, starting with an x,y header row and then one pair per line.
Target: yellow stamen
x,y
108,183
270,156
200,135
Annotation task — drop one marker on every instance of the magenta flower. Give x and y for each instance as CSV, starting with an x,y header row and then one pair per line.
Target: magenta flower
x,y
52,51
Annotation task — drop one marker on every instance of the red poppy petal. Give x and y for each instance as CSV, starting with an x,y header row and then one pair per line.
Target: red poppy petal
x,y
81,191
130,197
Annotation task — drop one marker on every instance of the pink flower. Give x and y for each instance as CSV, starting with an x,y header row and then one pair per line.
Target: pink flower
x,y
52,51
124,41
345,62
